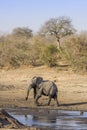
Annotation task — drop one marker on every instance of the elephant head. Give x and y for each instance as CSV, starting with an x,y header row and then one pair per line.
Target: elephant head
x,y
35,81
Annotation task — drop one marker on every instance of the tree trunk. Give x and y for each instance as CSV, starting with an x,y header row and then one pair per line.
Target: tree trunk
x,y
58,40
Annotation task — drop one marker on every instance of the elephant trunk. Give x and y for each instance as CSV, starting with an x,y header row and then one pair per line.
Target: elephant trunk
x,y
28,90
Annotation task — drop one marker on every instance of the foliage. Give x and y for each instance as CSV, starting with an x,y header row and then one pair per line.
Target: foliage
x,y
20,48
49,55
13,52
75,51
22,33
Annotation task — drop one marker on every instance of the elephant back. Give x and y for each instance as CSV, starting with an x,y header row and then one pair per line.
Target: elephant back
x,y
48,87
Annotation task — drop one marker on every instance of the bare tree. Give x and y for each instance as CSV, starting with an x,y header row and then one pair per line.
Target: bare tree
x,y
58,27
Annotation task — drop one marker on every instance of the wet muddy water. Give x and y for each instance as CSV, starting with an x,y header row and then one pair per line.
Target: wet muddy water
x,y
51,119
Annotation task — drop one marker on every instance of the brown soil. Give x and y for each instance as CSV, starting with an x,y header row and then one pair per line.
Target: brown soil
x,y
72,88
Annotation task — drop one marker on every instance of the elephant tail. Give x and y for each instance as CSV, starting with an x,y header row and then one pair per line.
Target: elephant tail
x,y
54,90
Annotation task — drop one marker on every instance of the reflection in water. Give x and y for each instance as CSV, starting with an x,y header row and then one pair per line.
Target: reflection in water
x,y
55,119
81,112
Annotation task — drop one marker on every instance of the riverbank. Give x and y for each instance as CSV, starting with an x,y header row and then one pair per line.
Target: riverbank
x,y
72,88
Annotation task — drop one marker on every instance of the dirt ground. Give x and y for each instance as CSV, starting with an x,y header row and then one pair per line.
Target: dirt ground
x,y
72,94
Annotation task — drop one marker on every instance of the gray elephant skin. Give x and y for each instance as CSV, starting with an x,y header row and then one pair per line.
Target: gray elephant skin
x,y
42,87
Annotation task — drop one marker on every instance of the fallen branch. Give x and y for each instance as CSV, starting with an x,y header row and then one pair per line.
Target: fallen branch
x,y
5,117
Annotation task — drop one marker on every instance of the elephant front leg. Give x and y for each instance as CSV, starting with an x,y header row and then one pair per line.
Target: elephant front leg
x,y
38,95
36,99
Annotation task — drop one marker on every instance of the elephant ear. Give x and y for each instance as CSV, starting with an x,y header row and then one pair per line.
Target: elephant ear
x,y
34,79
37,80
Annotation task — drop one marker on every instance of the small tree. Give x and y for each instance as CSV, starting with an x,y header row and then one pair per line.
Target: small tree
x,y
22,32
58,27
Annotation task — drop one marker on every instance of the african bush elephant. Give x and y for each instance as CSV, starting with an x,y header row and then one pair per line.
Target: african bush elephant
x,y
43,87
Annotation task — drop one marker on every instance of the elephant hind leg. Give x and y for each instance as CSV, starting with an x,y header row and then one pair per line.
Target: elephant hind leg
x,y
57,103
49,100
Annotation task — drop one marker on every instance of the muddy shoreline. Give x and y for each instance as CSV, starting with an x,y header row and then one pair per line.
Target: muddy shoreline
x,y
64,104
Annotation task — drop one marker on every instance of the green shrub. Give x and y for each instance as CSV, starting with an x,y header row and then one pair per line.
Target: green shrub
x,y
49,55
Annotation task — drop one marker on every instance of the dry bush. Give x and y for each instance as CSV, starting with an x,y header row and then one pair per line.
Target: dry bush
x,y
39,50
75,51
13,52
